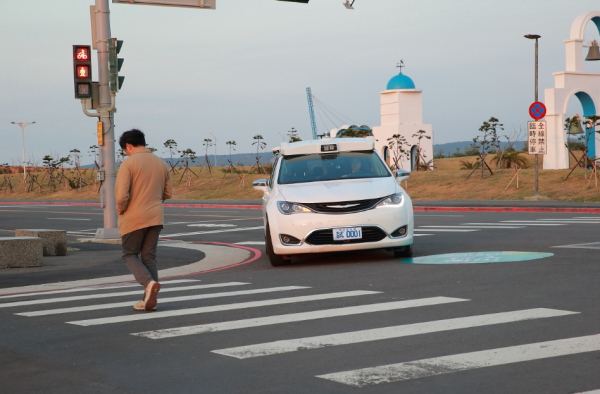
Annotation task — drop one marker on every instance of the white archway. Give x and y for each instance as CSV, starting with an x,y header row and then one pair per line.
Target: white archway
x,y
572,82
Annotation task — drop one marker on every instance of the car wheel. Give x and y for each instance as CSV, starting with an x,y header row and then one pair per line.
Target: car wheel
x,y
406,251
275,259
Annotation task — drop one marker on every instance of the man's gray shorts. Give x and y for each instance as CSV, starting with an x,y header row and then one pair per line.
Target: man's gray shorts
x,y
142,242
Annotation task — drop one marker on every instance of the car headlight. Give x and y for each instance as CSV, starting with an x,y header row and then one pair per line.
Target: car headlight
x,y
394,199
288,208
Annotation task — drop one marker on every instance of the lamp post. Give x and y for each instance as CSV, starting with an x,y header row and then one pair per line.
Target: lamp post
x,y
535,37
215,147
23,125
282,136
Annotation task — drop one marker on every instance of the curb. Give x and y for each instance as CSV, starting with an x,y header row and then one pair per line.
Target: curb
x,y
415,208
96,204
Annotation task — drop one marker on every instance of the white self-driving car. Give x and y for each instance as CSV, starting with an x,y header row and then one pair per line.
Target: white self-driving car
x,y
334,195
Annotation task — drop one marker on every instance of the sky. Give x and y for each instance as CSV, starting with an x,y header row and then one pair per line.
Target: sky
x,y
242,69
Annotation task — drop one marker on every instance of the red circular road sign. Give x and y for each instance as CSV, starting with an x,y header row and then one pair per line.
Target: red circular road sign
x,y
537,110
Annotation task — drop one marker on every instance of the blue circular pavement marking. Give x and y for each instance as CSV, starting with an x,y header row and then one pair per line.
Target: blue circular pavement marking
x,y
477,258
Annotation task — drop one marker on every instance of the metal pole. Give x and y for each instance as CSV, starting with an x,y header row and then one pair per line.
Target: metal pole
x,y
215,148
108,149
23,137
23,125
536,99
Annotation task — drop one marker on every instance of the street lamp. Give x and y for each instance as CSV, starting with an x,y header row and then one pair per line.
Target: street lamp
x,y
215,148
23,125
535,37
282,136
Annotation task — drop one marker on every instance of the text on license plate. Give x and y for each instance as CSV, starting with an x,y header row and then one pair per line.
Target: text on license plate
x,y
341,234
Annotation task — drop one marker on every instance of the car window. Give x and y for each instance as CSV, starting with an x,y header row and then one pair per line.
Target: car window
x,y
270,180
331,166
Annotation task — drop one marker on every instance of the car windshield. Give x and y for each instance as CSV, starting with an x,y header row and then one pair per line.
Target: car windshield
x,y
331,166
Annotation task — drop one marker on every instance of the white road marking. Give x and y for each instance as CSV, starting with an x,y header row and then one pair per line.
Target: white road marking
x,y
219,308
481,226
120,294
575,219
377,334
94,288
590,392
446,230
425,216
421,235
547,222
215,256
295,317
212,225
519,223
65,219
211,232
251,243
162,301
209,210
211,221
588,245
462,362
589,217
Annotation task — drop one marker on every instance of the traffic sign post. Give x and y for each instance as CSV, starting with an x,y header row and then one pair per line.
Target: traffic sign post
x,y
537,110
536,138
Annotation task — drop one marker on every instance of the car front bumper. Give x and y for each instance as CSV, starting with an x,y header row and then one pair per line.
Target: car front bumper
x,y
301,225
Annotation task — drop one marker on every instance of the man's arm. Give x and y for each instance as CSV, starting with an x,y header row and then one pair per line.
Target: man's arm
x,y
122,188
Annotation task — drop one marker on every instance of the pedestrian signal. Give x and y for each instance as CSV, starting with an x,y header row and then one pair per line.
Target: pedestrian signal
x,y
82,70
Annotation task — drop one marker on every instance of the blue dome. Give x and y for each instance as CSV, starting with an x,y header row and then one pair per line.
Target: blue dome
x,y
400,81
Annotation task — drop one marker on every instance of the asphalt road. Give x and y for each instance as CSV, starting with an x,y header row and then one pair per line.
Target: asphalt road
x,y
512,327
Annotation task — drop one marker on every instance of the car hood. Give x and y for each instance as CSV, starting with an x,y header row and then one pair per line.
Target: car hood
x,y
342,190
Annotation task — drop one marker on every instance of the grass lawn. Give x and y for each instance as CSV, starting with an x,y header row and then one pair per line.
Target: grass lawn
x,y
446,182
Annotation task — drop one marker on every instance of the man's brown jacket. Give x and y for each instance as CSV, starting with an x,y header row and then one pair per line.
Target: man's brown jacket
x,y
143,182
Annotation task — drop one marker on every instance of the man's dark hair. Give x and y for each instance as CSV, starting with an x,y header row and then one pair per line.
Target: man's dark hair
x,y
134,137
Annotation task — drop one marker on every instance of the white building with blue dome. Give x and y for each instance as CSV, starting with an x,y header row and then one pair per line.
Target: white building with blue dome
x,y
402,113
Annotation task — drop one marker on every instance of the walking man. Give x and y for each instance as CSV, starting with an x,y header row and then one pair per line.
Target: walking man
x,y
143,183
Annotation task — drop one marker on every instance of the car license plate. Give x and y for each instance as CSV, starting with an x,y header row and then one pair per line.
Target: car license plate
x,y
342,234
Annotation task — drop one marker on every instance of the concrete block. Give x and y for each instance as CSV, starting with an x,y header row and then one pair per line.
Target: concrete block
x,y
54,241
19,252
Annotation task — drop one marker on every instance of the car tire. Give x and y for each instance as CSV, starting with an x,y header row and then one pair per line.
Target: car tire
x,y
406,251
276,260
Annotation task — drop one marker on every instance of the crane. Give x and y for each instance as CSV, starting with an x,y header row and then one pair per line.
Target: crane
x,y
311,111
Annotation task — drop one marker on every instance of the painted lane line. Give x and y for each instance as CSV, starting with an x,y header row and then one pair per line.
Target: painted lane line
x,y
507,223
227,307
251,243
590,392
481,227
445,230
574,219
466,361
211,232
120,294
596,217
549,222
377,334
295,317
421,235
162,301
212,225
455,216
65,219
211,221
96,288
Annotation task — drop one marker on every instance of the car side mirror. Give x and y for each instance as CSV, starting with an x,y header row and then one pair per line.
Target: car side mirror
x,y
402,175
260,185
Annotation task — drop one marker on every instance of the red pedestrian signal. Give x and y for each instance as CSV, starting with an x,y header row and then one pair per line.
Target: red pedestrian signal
x,y
82,70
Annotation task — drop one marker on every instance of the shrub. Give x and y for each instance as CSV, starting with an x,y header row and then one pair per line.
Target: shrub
x,y
467,165
511,158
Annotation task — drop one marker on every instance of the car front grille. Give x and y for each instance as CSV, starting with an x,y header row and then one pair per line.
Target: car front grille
x,y
325,237
344,206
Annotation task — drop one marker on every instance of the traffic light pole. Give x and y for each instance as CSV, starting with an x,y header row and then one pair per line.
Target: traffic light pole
x,y
107,151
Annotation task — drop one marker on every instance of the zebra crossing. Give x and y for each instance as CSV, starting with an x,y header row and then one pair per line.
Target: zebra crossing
x,y
360,304
504,224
